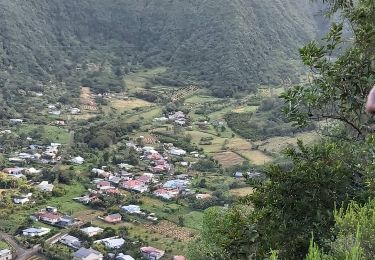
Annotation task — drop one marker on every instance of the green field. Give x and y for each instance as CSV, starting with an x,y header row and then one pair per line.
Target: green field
x,y
53,133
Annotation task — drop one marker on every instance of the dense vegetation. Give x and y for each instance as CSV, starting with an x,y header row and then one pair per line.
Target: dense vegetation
x,y
222,44
267,121
319,204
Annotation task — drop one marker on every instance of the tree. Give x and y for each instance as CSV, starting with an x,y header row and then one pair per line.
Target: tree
x,y
341,79
226,234
299,200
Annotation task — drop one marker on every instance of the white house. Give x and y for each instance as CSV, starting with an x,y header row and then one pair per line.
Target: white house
x,y
92,231
75,111
132,209
177,152
16,121
87,254
22,199
121,256
45,186
5,254
112,242
78,160
35,232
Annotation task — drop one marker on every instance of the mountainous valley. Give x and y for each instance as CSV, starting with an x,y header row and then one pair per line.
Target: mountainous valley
x,y
222,44
186,129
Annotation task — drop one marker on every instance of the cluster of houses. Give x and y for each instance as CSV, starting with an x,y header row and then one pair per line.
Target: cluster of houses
x,y
39,154
178,118
82,253
51,216
55,111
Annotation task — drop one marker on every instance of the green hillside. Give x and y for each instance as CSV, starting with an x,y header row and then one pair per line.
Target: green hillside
x,y
218,43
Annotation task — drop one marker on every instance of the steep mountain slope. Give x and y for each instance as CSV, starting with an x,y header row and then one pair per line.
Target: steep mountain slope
x,y
238,43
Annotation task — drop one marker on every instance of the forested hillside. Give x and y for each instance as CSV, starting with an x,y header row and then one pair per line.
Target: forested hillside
x,y
233,43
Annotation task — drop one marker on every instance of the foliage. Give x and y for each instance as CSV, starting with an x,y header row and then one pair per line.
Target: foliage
x,y
342,75
300,199
267,122
355,227
58,39
226,234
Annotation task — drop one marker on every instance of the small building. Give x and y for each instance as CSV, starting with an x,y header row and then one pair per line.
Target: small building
x,y
6,254
92,231
87,254
152,253
177,152
166,194
45,186
238,175
78,160
176,184
70,241
22,199
121,256
179,257
135,185
112,242
203,196
16,121
113,218
103,185
50,217
132,209
35,232
75,111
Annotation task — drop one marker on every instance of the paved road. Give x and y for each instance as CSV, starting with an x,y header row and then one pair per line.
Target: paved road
x,y
21,252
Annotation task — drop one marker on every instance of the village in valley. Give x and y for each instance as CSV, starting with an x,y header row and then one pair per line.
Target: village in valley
x,y
125,175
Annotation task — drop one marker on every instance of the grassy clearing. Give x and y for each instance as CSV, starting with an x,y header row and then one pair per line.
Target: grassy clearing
x,y
200,99
241,192
53,133
245,109
65,203
217,142
255,156
137,81
194,220
277,144
146,116
124,105
239,144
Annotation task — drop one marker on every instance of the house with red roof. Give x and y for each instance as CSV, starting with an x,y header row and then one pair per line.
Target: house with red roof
x,y
51,218
134,185
113,218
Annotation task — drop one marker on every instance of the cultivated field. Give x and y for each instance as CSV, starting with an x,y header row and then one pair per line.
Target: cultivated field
x,y
227,159
122,105
241,192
